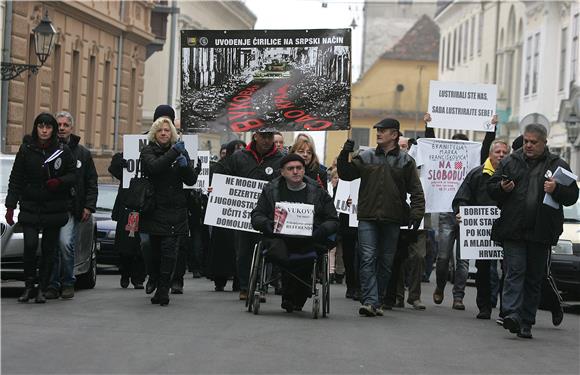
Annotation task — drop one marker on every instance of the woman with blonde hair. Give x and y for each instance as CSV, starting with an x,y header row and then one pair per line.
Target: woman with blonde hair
x,y
306,149
167,165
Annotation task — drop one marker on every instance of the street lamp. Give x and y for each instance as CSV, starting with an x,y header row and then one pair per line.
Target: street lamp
x,y
573,128
44,38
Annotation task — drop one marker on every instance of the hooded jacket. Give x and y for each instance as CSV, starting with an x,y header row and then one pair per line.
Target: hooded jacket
x,y
86,188
248,163
27,186
547,223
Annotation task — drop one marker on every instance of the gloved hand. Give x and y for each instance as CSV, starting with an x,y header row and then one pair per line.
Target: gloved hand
x,y
197,169
53,184
179,147
348,146
181,161
9,216
414,225
124,163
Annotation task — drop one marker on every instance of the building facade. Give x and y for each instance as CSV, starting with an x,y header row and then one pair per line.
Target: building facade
x,y
396,85
163,69
96,71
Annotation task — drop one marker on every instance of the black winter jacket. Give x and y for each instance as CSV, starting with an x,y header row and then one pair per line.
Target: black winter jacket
x,y
325,217
27,186
548,223
248,164
116,169
473,190
169,217
86,187
385,182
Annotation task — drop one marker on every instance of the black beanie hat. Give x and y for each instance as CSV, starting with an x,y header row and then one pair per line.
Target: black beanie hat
x,y
164,110
518,142
45,118
292,157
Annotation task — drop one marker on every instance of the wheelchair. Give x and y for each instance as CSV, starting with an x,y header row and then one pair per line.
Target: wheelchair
x,y
261,276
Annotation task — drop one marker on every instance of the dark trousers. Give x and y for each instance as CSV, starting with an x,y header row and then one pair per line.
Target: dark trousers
x,y
483,284
551,299
184,253
293,289
348,237
133,266
48,247
163,256
412,269
245,242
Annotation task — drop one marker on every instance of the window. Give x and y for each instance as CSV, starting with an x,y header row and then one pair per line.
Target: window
x,y
574,52
56,89
106,105
75,82
442,58
465,39
454,48
563,42
528,66
459,44
449,51
536,63
480,34
472,40
360,136
91,102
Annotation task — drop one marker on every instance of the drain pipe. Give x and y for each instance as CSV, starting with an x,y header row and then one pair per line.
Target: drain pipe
x,y
171,78
5,58
118,82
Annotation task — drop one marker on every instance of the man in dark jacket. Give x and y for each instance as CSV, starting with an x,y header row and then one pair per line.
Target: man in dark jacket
x,y
292,186
473,192
387,176
527,227
84,195
260,160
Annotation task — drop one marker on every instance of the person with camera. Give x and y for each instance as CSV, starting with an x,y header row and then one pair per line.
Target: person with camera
x,y
40,181
527,227
387,176
166,164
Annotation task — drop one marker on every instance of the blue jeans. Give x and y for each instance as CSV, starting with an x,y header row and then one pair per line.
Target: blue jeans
x,y
526,264
377,247
63,269
447,235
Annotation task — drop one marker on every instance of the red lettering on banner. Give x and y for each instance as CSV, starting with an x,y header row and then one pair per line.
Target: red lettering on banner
x,y
244,126
306,118
294,113
317,125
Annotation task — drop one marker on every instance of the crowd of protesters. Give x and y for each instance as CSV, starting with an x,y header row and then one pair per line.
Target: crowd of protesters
x,y
54,181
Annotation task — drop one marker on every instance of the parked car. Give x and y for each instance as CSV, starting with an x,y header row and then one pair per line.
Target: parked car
x,y
566,254
106,253
12,240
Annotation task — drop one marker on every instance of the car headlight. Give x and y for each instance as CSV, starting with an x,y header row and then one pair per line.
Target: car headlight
x,y
111,234
564,247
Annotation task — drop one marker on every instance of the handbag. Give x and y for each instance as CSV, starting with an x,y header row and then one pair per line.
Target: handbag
x,y
140,194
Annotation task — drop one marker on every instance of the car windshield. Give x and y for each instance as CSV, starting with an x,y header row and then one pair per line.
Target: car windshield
x,y
572,213
106,198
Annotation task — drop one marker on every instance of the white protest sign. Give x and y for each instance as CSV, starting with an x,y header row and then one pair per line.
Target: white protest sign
x,y
231,202
445,163
455,105
202,182
353,217
343,192
134,143
294,219
475,233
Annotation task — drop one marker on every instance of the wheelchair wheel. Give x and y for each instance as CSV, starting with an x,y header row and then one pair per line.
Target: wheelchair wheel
x,y
325,280
315,307
252,284
256,303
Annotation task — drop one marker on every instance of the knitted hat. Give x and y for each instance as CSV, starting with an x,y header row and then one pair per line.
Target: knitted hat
x,y
164,110
292,157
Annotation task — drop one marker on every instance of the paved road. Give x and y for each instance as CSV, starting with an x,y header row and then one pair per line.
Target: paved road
x,y
114,330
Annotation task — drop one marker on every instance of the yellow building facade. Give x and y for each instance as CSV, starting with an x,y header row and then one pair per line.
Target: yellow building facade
x,y
396,85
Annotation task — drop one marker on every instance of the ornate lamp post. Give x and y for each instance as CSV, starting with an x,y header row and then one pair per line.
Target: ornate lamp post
x,y
573,128
44,38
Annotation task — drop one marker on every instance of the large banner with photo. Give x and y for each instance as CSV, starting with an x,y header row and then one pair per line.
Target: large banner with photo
x,y
444,165
243,80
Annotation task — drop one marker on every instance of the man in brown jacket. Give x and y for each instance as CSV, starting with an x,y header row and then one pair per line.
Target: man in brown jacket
x,y
387,176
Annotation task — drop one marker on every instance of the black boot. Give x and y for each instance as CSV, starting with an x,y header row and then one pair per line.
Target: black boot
x,y
28,291
177,286
155,298
40,298
163,296
151,285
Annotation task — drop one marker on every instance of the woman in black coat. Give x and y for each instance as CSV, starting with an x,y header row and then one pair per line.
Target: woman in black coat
x,y
166,163
40,182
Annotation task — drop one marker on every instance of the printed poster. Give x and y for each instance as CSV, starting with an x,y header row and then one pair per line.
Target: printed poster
x,y
243,80
475,233
294,219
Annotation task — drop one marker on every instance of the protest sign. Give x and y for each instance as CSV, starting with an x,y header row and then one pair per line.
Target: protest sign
x,y
202,182
344,190
295,219
243,80
231,202
475,233
444,165
466,106
134,143
353,218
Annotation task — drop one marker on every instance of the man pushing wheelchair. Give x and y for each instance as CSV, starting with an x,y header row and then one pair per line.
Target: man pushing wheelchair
x,y
296,217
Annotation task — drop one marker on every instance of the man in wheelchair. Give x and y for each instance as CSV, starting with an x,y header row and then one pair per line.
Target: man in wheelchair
x,y
294,187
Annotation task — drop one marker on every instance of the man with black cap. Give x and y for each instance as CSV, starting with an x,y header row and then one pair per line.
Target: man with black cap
x,y
260,160
293,186
387,176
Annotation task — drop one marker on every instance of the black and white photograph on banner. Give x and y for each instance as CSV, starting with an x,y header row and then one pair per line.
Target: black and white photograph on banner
x,y
243,80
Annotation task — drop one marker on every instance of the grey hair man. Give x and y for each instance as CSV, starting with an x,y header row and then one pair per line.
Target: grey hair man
x,y
527,228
